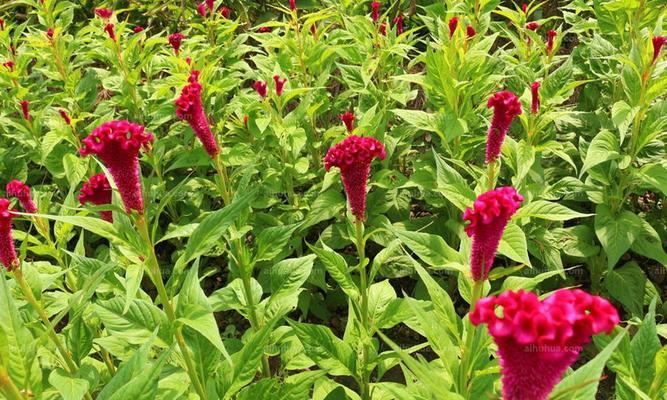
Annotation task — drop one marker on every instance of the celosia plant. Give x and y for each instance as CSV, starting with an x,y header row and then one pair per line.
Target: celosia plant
x,y
348,120
506,106
97,191
7,249
190,109
535,97
21,191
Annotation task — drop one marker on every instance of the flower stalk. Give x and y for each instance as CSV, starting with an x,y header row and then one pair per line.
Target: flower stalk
x,y
365,330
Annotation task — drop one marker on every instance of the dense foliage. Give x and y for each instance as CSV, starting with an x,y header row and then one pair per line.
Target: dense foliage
x,y
333,199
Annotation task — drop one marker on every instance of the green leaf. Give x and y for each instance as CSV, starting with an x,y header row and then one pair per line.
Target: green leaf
x,y
452,185
649,244
513,244
654,175
288,275
604,147
519,282
338,269
626,284
140,317
644,346
270,241
233,296
68,387
431,249
380,295
325,349
616,232
547,210
622,115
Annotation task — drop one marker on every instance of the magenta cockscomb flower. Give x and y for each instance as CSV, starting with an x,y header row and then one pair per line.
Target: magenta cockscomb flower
x,y
375,11
383,28
398,23
117,145
538,340
348,119
260,88
292,5
264,29
175,40
7,249
535,101
25,109
9,64
353,156
97,191
2,24
189,108
49,33
506,107
104,13
138,29
532,26
658,42
201,9
488,218
280,84
551,35
470,31
524,7
453,23
21,191
210,4
65,116
226,12
109,29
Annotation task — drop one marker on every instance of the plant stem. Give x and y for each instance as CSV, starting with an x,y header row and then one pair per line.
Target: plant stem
x,y
156,277
8,387
490,175
224,185
466,361
246,274
30,297
363,294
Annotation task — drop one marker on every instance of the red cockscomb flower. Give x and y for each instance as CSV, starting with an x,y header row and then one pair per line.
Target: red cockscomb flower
x,y
353,156
506,107
292,5
551,34
175,40
488,217
470,31
658,42
532,26
49,33
117,145
264,29
7,249
524,7
2,24
201,9
97,191
535,102
25,109
65,116
210,4
453,23
398,23
225,12
109,29
104,13
375,11
280,84
260,88
9,64
348,119
189,108
138,29
21,191
538,340
383,28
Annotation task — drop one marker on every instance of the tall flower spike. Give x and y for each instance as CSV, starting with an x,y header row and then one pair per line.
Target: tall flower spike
x,y
280,84
348,119
201,9
506,107
532,26
470,31
538,340
25,109
524,7
189,108
292,5
658,42
551,35
65,116
488,218
104,13
260,88
97,191
7,249
353,156
225,12
375,11
49,33
398,23
109,29
453,23
21,191
535,102
117,145
175,40
383,28
210,4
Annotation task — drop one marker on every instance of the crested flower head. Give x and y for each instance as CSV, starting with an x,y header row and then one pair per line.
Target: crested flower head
x,y
524,7
264,29
117,145
398,23
353,156
535,102
551,34
49,33
104,13
210,4
97,191
109,29
292,5
280,84
138,29
453,23
375,11
658,42
383,28
65,116
25,109
348,119
488,217
260,88
175,40
470,31
225,12
506,106
201,9
21,191
189,108
538,340
7,249
532,26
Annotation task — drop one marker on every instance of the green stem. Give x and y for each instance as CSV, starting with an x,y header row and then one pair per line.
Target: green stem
x,y
8,387
224,184
246,274
466,361
490,175
363,294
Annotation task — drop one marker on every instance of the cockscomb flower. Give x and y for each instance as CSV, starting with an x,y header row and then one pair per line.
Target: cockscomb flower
x,y
292,5
398,23
348,119
453,23
470,31
2,24
506,107
175,40
210,4
201,9
117,145
7,249
524,7
189,108
104,13
65,116
109,29
551,34
280,84
25,109
260,88
488,218
97,191
383,28
138,29
535,101
532,26
353,156
264,29
538,340
225,12
21,191
658,42
49,33
375,11
9,64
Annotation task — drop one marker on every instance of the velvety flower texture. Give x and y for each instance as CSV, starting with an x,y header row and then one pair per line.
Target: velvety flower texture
x,y
375,11
117,145
189,108
292,5
109,29
470,31
353,156
21,191
453,23
398,23
348,119
260,88
201,9
506,106
658,42
535,101
97,191
383,28
104,13
551,35
488,218
175,40
25,109
538,340
280,84
7,249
